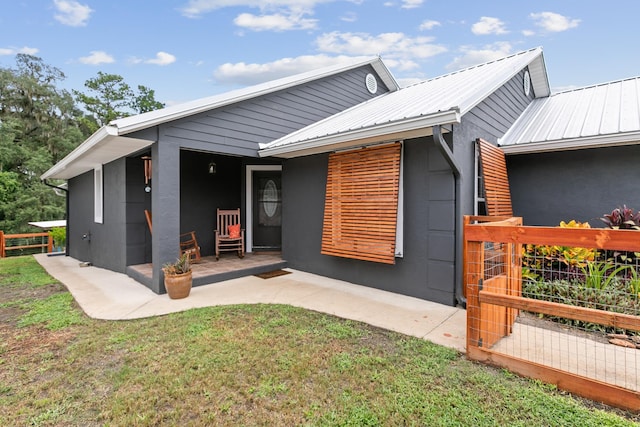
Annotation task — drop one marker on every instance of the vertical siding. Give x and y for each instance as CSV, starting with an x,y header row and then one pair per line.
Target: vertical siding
x,y
239,128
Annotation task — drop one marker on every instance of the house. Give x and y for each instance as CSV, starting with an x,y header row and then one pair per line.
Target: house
x,y
575,154
109,187
375,179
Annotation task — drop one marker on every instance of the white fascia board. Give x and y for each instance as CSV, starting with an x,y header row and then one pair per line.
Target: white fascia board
x,y
615,140
98,136
411,128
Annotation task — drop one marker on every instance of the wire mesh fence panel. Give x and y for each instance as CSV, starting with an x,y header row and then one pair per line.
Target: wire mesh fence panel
x,y
561,305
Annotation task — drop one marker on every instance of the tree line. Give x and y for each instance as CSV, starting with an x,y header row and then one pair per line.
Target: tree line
x,y
40,123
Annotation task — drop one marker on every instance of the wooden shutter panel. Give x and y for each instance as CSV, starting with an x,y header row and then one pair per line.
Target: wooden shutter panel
x,y
361,204
496,180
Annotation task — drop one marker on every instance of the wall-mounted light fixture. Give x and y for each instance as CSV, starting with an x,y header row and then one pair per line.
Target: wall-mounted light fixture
x,y
212,168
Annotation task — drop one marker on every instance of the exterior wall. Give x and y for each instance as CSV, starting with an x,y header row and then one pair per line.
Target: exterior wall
x,y
138,242
201,194
547,188
238,129
489,120
80,215
427,269
100,245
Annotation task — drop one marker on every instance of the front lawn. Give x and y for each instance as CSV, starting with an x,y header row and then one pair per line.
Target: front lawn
x,y
246,365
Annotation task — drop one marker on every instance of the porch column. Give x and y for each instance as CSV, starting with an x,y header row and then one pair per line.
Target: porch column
x,y
165,209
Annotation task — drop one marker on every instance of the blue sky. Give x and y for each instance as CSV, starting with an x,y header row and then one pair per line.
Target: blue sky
x,y
188,49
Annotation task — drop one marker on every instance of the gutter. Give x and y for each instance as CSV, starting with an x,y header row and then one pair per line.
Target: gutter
x,y
66,190
449,157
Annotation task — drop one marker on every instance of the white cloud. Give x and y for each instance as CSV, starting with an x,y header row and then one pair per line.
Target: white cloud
x,y
16,50
97,57
162,58
396,46
248,74
488,25
72,13
276,22
471,57
349,17
528,33
429,25
196,8
553,22
411,4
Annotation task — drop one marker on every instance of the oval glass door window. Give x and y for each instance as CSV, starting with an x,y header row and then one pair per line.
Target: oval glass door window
x,y
270,198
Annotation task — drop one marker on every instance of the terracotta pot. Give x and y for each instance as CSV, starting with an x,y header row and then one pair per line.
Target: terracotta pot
x,y
179,285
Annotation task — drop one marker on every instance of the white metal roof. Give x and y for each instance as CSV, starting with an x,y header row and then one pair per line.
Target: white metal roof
x,y
413,110
110,142
48,225
595,116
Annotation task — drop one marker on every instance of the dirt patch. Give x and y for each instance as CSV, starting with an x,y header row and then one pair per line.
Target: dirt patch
x,y
531,319
11,297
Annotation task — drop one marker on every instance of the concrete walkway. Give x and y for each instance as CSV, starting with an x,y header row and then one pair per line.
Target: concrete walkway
x,y
107,295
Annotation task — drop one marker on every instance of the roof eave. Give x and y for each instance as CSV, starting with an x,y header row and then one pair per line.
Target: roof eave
x,y
411,128
104,146
599,141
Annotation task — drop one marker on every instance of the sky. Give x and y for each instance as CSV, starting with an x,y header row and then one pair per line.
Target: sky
x,y
190,49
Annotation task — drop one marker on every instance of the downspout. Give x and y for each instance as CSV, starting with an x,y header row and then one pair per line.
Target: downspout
x,y
448,155
66,199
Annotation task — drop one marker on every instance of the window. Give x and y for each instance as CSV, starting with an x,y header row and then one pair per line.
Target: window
x,y
361,204
97,194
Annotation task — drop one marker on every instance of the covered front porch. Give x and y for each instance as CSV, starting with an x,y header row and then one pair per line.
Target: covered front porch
x,y
208,270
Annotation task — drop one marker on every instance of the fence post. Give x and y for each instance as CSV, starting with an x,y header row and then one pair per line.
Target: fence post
x,y
2,254
474,264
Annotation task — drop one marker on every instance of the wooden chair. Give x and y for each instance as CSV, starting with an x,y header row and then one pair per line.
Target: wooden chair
x,y
225,242
188,241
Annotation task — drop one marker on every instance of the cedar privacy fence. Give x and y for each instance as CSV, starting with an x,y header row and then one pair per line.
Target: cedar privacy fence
x,y
24,244
557,304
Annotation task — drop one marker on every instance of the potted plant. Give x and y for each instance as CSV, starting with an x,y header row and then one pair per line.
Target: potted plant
x,y
59,236
177,277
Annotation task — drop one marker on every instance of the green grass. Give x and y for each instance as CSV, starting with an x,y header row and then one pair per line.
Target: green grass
x,y
246,365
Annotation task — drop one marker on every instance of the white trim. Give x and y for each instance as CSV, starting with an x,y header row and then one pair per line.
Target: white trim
x,y
98,194
400,214
614,140
248,245
405,129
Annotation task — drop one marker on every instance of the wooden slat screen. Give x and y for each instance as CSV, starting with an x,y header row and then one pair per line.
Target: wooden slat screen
x,y
496,180
361,204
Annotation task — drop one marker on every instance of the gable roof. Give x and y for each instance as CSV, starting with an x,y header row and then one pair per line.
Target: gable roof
x,y
413,110
111,142
602,115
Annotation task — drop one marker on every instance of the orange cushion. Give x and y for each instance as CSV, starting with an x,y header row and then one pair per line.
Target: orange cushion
x,y
234,231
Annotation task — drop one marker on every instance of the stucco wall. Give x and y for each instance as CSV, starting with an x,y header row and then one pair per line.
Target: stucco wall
x,y
547,188
100,244
426,271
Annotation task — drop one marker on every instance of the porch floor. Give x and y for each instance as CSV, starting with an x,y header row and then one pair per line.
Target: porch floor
x,y
208,270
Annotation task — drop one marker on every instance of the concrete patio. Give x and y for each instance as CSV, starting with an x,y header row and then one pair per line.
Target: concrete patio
x,y
107,295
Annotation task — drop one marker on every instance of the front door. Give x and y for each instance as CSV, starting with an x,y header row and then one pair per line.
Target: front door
x,y
267,210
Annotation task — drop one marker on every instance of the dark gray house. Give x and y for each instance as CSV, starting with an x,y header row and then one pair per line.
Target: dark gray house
x,y
374,179
109,191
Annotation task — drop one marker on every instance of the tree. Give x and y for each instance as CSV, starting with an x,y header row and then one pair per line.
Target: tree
x,y
38,127
111,98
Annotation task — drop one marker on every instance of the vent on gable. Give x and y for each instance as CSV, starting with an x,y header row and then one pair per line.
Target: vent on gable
x,y
372,83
